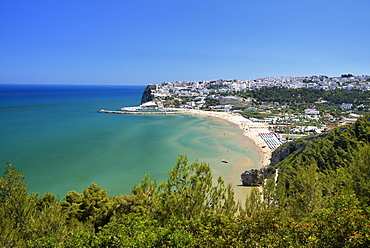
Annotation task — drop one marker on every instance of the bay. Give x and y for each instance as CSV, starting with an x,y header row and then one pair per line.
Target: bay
x,y
55,135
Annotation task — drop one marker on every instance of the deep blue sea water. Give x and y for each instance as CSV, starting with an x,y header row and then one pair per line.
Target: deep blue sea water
x,y
55,135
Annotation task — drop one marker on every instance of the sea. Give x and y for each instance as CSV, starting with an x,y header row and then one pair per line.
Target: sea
x,y
55,135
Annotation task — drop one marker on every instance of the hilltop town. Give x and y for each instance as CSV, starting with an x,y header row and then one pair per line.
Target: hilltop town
x,y
204,89
290,117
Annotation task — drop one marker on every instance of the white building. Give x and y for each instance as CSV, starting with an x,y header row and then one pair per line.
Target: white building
x,y
311,112
346,106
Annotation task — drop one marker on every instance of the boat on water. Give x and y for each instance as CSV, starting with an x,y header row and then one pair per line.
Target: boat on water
x,y
224,161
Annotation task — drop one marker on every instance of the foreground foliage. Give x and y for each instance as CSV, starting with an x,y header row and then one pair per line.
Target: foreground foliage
x,y
321,199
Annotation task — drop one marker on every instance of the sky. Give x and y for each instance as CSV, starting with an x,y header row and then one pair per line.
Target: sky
x,y
144,41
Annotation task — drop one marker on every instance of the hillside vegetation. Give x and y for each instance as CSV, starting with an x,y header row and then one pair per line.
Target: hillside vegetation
x,y
321,199
289,95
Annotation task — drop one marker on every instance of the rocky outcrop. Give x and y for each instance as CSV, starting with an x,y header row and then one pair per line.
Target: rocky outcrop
x,y
256,177
148,93
252,178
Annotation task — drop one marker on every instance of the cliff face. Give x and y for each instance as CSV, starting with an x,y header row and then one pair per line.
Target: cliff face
x,y
287,149
255,177
148,93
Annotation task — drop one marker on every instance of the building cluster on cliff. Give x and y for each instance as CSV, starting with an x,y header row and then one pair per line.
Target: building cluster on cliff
x,y
205,88
225,95
200,93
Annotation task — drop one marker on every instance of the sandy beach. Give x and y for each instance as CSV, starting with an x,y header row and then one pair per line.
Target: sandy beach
x,y
250,130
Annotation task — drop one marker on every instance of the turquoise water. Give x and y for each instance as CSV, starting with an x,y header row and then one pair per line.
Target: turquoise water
x,y
57,138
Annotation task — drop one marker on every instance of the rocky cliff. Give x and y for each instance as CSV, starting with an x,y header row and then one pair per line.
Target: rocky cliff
x,y
291,147
148,93
255,177
287,149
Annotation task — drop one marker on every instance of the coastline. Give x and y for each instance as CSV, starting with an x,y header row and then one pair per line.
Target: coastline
x,y
250,131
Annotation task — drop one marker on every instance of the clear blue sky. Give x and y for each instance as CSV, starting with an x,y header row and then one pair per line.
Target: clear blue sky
x,y
141,42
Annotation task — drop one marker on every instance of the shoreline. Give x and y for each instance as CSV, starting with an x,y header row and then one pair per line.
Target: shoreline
x,y
250,131
249,128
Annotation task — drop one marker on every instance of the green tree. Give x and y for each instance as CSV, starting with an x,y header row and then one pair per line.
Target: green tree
x,y
94,206
253,203
16,210
143,199
189,192
359,171
23,217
